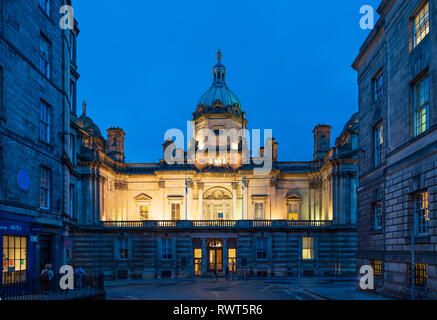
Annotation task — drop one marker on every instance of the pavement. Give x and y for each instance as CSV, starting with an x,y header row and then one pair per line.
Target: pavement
x,y
222,289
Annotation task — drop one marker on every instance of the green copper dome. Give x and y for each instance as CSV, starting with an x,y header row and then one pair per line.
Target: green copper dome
x,y
219,98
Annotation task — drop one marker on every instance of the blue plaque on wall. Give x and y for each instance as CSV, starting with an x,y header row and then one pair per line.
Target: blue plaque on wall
x,y
23,180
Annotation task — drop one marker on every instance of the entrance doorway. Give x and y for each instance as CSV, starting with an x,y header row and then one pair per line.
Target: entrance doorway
x,y
215,256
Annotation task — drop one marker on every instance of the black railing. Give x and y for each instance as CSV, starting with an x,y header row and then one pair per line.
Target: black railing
x,y
36,289
221,224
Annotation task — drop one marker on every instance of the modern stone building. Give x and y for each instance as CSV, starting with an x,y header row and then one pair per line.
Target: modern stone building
x,y
397,194
207,213
38,77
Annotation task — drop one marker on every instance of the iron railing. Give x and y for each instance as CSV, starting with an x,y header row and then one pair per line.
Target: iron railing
x,y
220,224
35,289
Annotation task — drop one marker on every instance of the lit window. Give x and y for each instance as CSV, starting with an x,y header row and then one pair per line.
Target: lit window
x,y
421,24
421,104
232,260
123,248
378,215
166,249
144,212
44,53
378,144
44,122
261,248
14,259
45,6
307,248
377,267
259,211
198,262
420,274
421,210
175,211
378,90
45,188
293,210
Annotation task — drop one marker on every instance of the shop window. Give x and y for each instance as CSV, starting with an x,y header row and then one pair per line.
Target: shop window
x,y
14,259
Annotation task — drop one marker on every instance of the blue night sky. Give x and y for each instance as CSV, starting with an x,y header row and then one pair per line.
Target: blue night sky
x,y
145,64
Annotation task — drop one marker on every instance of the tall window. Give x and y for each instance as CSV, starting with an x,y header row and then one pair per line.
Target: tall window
x,y
45,6
176,211
14,259
420,274
378,144
197,262
421,212
72,158
378,90
421,24
72,47
421,106
72,201
44,54
261,248
232,259
123,248
44,122
72,96
377,210
293,210
377,267
307,248
259,211
166,249
144,212
45,180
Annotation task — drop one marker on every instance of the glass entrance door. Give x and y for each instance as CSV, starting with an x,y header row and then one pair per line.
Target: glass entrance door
x,y
215,256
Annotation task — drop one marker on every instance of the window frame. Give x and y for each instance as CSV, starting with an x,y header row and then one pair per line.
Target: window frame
x,y
166,249
424,28
45,187
45,123
378,144
309,248
72,201
123,249
378,216
173,216
421,216
425,106
261,247
256,206
378,86
45,62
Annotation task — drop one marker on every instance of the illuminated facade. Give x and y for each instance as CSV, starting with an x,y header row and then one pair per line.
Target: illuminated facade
x,y
215,213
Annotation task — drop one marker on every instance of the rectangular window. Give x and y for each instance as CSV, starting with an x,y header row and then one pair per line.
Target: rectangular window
x,y
307,248
378,144
259,211
198,262
175,211
420,274
377,267
14,259
261,248
72,47
421,24
44,122
144,212
72,201
166,249
44,6
45,181
123,248
421,106
377,211
44,53
421,212
72,153
378,83
72,96
232,259
293,210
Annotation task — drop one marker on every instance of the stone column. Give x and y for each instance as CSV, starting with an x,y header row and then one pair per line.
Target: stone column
x,y
273,207
203,256
234,200
246,199
161,185
189,200
200,199
225,256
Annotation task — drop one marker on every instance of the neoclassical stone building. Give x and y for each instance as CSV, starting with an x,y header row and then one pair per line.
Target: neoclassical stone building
x,y
211,214
397,195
